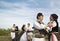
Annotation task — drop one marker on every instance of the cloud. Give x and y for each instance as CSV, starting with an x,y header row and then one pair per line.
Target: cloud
x,y
13,5
55,4
20,13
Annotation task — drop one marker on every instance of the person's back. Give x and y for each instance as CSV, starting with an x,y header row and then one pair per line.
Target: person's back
x,y
16,33
21,33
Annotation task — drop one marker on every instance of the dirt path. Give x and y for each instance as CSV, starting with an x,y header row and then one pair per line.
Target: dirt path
x,y
5,38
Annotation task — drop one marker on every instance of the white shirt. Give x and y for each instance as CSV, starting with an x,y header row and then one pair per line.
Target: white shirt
x,y
50,28
39,26
13,28
13,33
54,24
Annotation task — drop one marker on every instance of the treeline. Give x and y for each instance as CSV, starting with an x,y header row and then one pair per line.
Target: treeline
x,y
5,32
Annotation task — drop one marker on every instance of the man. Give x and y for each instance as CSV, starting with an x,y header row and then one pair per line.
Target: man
x,y
39,28
39,22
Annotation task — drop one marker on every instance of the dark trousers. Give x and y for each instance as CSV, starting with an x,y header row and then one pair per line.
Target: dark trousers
x,y
49,37
13,40
16,36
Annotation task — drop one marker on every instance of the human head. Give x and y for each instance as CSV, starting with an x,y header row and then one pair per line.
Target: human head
x,y
40,17
14,25
28,24
53,17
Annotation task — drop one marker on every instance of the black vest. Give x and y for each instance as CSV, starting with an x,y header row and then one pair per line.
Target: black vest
x,y
55,29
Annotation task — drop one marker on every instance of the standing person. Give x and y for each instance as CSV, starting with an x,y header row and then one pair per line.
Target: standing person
x,y
54,27
23,36
29,32
21,33
16,33
13,32
39,28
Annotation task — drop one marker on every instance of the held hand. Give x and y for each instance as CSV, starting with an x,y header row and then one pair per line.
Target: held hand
x,y
50,25
46,26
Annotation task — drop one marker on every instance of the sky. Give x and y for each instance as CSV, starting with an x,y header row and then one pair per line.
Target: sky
x,y
21,12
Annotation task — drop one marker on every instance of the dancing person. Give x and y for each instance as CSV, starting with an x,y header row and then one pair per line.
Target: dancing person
x,y
23,36
13,32
16,33
39,28
53,24
29,32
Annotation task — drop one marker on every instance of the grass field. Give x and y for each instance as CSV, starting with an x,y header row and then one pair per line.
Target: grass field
x,y
5,35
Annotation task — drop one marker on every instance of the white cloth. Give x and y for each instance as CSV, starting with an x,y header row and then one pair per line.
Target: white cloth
x,y
55,38
50,28
13,29
29,28
38,39
24,37
12,35
39,26
54,23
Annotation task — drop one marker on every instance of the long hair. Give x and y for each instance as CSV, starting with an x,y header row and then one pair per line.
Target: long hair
x,y
23,27
55,17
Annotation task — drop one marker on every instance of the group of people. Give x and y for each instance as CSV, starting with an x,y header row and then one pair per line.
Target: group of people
x,y
51,28
39,30
16,34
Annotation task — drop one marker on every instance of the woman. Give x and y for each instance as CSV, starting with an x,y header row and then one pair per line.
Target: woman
x,y
23,34
16,33
53,24
13,32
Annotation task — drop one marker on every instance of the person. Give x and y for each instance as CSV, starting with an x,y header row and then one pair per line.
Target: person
x,y
53,24
13,32
21,33
29,32
23,36
16,33
39,27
